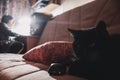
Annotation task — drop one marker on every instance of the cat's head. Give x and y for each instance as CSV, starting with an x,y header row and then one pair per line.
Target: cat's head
x,y
89,37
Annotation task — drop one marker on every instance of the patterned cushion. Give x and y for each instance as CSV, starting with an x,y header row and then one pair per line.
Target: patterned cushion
x,y
50,52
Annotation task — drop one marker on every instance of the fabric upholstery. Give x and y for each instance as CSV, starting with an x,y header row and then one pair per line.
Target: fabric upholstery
x,y
51,52
20,69
83,17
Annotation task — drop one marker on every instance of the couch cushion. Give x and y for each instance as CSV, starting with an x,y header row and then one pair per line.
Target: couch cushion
x,y
11,69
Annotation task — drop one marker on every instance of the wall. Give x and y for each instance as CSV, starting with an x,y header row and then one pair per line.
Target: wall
x,y
16,8
83,17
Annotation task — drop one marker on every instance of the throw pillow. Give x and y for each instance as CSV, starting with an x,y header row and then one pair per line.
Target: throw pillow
x,y
51,52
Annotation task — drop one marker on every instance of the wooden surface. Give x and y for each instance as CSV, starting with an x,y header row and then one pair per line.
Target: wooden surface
x,y
32,41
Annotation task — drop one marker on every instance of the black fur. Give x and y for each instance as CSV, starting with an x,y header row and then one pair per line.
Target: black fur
x,y
96,51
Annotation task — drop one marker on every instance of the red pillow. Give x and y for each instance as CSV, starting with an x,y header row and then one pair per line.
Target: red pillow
x,y
50,52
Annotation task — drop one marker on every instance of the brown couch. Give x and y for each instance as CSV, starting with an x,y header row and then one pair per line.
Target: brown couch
x,y
85,16
14,67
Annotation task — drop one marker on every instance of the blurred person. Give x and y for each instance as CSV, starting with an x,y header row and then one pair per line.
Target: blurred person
x,y
7,44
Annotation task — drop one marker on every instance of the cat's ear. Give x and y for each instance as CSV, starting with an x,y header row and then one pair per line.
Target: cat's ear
x,y
71,31
101,25
101,29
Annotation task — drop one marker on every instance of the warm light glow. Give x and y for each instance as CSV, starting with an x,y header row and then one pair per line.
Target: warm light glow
x,y
69,5
23,26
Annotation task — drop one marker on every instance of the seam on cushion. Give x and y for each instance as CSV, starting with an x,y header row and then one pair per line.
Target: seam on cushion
x,y
54,38
102,8
26,74
69,23
23,74
12,66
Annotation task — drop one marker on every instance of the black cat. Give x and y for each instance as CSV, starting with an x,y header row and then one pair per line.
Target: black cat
x,y
96,51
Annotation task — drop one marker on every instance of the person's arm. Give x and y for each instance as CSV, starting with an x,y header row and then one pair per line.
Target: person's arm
x,y
6,31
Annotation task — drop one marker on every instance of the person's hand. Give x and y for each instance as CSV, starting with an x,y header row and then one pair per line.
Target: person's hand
x,y
20,37
12,38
